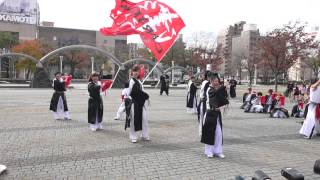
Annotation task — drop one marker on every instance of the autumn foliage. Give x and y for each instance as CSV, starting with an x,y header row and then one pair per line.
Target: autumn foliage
x,y
281,48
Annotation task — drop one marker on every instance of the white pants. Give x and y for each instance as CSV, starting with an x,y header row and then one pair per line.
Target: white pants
x,y
194,109
211,150
60,111
310,125
133,135
256,108
121,110
279,114
96,125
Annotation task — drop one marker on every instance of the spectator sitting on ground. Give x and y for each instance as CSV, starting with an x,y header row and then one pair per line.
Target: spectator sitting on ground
x,y
247,97
278,110
256,104
298,109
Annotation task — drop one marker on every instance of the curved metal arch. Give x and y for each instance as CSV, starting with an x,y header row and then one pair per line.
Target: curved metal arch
x,y
20,55
113,58
141,60
175,67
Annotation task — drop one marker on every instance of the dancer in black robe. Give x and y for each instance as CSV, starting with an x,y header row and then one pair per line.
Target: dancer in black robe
x,y
58,104
212,128
164,84
233,84
192,96
138,112
95,103
203,99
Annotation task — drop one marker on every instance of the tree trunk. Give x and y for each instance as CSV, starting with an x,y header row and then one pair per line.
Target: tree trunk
x,y
240,78
250,78
28,74
315,73
276,83
72,68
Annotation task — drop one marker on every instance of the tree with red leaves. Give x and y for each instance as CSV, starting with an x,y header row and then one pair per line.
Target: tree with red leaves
x,y
281,48
201,56
313,61
34,48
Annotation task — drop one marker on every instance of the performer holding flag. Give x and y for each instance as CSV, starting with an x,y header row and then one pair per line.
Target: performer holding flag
x,y
138,118
58,104
95,103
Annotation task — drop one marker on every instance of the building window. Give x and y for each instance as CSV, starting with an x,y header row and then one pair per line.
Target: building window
x,y
54,38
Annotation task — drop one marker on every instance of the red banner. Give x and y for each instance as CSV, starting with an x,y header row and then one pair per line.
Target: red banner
x,y
67,80
105,84
157,24
142,72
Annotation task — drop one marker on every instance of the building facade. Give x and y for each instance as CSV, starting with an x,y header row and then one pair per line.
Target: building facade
x,y
239,42
21,19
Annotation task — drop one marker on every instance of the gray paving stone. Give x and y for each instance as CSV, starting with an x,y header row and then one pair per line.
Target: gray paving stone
x,y
34,146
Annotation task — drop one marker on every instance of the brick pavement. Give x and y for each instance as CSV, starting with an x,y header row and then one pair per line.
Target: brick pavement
x,y
34,146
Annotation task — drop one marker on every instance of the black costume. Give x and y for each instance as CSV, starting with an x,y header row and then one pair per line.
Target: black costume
x,y
95,104
164,81
138,100
216,98
246,99
203,99
59,89
233,85
192,96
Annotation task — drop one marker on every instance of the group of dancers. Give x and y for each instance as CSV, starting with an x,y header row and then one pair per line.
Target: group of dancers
x,y
134,104
213,98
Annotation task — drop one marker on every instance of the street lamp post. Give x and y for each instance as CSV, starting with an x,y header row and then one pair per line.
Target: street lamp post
x,y
61,59
1,67
92,64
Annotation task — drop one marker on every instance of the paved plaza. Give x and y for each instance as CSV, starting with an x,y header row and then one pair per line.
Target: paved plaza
x,y
34,146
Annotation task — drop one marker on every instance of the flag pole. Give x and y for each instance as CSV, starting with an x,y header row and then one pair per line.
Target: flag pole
x,y
115,77
154,67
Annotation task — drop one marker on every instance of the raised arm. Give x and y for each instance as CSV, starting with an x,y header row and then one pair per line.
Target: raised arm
x,y
315,85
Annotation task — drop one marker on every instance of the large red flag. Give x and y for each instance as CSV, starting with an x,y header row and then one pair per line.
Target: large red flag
x,y
157,24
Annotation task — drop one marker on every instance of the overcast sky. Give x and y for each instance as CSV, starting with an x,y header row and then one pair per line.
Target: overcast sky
x,y
199,15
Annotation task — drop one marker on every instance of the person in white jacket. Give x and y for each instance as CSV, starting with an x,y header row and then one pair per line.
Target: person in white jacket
x,y
311,125
122,107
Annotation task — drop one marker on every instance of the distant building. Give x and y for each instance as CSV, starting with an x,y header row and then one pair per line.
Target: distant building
x,y
239,42
21,18
300,71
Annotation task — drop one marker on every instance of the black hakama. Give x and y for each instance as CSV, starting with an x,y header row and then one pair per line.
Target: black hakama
x,y
59,89
95,104
192,96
